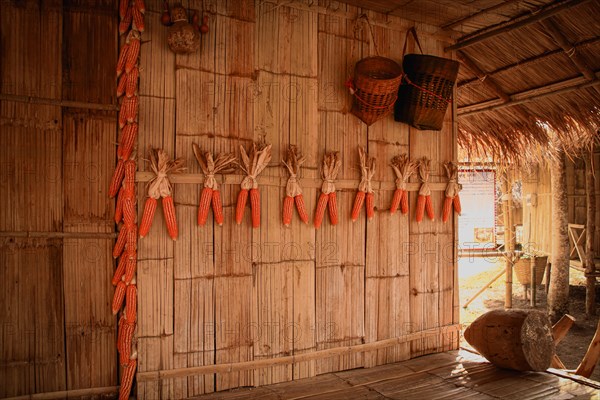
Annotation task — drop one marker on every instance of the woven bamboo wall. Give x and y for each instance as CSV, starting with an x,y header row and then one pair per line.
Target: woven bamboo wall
x,y
57,140
233,294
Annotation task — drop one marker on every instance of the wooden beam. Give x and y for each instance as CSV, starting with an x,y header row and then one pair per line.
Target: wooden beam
x,y
531,60
319,354
515,23
561,87
61,103
479,13
482,75
569,49
561,328
590,359
60,235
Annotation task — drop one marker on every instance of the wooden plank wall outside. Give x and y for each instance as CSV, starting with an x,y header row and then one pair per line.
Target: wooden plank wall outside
x,y
231,294
537,222
58,332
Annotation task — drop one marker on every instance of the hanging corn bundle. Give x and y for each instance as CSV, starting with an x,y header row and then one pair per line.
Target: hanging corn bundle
x,y
252,164
424,203
293,191
210,192
403,168
452,190
328,199
160,187
365,189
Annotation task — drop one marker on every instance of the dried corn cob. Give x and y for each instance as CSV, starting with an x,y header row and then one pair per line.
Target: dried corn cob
x,y
117,178
118,297
370,205
331,167
241,205
288,209
131,86
138,20
205,201
320,211
123,6
403,168
299,200
133,52
365,189
148,216
217,206
139,4
170,219
122,86
125,341
126,21
292,189
424,200
120,244
129,215
120,271
122,58
119,206
131,302
130,266
128,137
332,208
255,206
127,379
452,189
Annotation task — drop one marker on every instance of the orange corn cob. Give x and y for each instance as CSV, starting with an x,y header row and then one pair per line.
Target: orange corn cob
x,y
370,200
396,201
130,167
358,202
123,6
241,205
122,85
139,4
320,211
126,21
332,206
217,206
131,303
119,207
288,209
117,178
128,137
131,244
120,271
147,216
118,297
127,379
299,199
420,208
132,54
255,206
131,86
170,219
129,110
122,58
429,208
404,203
205,200
138,20
129,216
457,206
446,209
124,344
130,267
120,244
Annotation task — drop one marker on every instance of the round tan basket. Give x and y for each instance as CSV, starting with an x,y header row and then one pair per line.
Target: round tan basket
x,y
376,80
523,270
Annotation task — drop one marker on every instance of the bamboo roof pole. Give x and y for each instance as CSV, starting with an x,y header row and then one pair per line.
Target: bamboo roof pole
x,y
479,13
590,266
509,245
558,293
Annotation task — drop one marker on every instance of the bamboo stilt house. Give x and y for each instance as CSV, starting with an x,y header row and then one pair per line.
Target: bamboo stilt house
x,y
229,306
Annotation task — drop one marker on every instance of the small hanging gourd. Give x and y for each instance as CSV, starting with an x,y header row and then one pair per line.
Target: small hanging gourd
x,y
183,38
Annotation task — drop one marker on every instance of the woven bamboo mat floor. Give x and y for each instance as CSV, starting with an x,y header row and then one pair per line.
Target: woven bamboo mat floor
x,y
451,375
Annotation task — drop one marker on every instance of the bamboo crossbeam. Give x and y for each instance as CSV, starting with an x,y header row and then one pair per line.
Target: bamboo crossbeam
x,y
315,183
515,23
553,89
263,363
479,13
61,103
65,394
66,235
484,287
485,78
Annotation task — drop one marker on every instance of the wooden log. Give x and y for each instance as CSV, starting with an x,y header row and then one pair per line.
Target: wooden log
x,y
513,339
587,365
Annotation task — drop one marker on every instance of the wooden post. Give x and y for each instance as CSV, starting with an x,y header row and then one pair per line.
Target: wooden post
x,y
559,331
509,244
589,263
586,368
532,284
558,295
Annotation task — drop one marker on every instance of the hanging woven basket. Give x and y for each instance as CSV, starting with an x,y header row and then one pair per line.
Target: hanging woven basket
x,y
523,270
426,89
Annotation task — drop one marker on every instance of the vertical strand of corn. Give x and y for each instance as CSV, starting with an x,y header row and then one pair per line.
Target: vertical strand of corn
x,y
358,202
396,201
370,200
320,211
299,200
170,219
255,206
204,206
288,209
241,205
217,206
429,208
420,208
148,216
332,206
446,209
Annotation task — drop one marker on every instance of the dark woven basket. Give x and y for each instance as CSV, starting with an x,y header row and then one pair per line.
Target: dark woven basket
x,y
376,81
426,91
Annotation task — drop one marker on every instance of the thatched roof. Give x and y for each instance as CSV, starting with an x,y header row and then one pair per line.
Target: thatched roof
x,y
529,70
